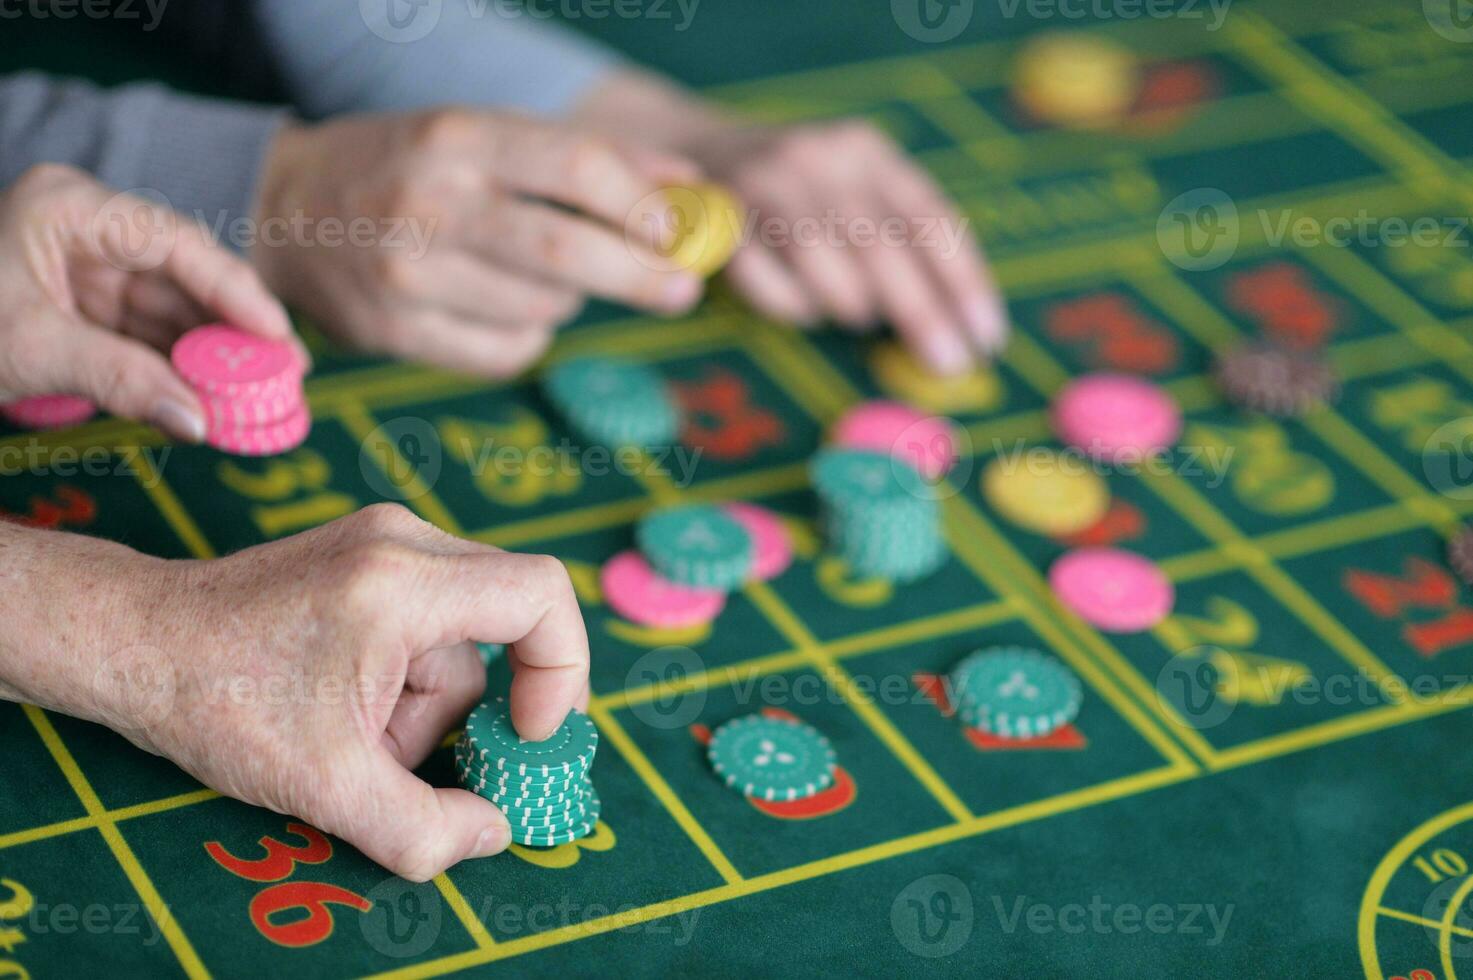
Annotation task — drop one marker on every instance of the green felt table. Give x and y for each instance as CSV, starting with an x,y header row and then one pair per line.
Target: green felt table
x,y
1266,785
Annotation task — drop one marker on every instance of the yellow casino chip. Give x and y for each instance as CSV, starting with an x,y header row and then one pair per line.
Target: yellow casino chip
x,y
707,225
1041,491
1076,80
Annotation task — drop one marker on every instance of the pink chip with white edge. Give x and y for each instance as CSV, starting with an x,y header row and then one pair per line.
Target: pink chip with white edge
x,y
1116,418
221,360
927,442
264,440
1116,591
633,590
772,546
48,411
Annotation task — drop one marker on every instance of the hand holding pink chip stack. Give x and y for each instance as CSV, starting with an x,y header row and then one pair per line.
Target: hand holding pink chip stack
x,y
251,389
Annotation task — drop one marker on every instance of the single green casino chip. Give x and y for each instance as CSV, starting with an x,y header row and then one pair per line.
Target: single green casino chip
x,y
862,481
614,403
701,546
491,740
1015,692
772,758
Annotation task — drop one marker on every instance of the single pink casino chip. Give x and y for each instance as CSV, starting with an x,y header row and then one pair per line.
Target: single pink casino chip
x,y
772,547
927,442
1116,418
221,360
48,411
1117,591
264,440
633,590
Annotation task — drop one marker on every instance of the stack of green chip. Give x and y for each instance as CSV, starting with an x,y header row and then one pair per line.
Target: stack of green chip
x,y
880,515
613,403
542,787
700,546
1015,692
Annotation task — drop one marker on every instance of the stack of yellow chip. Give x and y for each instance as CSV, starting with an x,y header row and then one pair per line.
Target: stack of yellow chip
x,y
708,225
1079,81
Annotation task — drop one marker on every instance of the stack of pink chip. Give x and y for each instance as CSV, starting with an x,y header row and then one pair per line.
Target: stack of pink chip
x,y
251,389
48,411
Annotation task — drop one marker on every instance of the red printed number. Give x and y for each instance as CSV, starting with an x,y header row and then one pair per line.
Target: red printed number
x,y
280,860
311,897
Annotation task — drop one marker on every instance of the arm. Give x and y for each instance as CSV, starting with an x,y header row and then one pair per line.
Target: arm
x,y
202,155
342,57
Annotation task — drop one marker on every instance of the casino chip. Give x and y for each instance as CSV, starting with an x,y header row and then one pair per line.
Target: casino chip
x,y
1116,418
926,442
772,758
543,787
708,222
699,546
614,403
48,411
638,593
1015,692
1265,377
772,545
1116,591
1460,555
879,514
250,387
1075,80
1045,493
490,652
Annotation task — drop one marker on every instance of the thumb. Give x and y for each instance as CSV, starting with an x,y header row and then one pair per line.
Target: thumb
x,y
408,826
126,377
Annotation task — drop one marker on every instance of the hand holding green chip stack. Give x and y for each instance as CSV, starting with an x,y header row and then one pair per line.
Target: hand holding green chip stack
x,y
614,403
880,515
542,787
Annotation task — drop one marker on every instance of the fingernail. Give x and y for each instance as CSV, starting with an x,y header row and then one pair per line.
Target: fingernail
x,y
181,421
988,323
946,352
681,292
493,840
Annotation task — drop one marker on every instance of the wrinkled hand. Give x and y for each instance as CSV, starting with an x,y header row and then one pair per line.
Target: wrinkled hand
x,y
95,287
482,232
847,227
311,675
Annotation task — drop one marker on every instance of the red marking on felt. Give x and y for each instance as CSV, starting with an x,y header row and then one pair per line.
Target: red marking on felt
x,y
1122,522
1423,585
933,686
831,800
1453,630
1285,303
720,418
1119,335
1067,737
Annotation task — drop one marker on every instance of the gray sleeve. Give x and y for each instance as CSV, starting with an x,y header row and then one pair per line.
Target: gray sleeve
x,y
409,54
202,155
